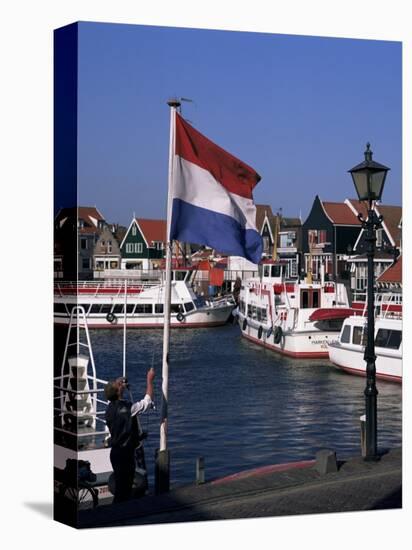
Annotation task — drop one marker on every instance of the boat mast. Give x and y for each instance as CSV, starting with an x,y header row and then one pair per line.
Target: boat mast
x,y
162,467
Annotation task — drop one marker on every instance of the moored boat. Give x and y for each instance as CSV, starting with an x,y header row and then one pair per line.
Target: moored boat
x,y
295,318
139,304
348,352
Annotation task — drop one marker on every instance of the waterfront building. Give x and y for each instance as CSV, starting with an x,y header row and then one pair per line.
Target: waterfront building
x,y
84,244
143,245
388,245
391,278
282,238
328,236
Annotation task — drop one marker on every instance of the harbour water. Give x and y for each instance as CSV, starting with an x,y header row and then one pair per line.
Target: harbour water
x,y
240,406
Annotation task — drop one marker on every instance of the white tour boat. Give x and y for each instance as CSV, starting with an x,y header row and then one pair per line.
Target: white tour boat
x,y
348,352
294,318
139,304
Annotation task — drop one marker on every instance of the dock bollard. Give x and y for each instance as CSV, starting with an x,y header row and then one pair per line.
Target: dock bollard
x,y
363,434
200,470
326,462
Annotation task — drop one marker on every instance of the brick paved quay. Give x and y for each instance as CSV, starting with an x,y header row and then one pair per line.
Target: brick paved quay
x,y
271,491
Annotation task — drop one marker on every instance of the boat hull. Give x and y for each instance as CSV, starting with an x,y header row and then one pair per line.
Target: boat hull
x,y
388,367
206,318
310,344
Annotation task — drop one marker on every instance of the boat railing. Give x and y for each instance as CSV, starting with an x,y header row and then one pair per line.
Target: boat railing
x,y
387,304
227,299
95,288
77,390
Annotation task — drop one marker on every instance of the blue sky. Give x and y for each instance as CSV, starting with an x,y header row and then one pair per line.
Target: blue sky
x,y
298,109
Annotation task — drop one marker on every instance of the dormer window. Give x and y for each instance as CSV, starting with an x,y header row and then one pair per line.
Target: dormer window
x,y
80,223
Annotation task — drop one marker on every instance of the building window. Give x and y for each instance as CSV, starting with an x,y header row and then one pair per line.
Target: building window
x,y
286,239
316,237
134,230
139,248
85,263
266,244
129,248
83,244
379,238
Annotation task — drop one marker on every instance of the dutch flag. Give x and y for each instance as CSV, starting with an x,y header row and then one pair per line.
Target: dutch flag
x,y
212,202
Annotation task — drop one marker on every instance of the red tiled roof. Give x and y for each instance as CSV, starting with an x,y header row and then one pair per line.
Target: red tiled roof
x,y
392,216
340,213
263,210
153,230
393,274
86,213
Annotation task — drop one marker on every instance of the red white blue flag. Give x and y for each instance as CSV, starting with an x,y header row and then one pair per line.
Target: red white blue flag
x,y
212,196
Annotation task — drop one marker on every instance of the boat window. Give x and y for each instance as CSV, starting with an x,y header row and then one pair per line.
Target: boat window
x,y
345,336
144,308
59,308
129,308
305,299
189,306
315,298
276,270
266,271
249,310
254,312
176,308
264,315
106,308
180,275
259,314
390,339
95,308
118,308
242,306
359,336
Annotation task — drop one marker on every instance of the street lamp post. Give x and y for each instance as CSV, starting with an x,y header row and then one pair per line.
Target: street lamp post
x,y
369,179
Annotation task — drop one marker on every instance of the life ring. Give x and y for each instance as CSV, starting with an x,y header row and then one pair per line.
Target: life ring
x,y
111,317
244,324
180,317
260,331
269,332
277,335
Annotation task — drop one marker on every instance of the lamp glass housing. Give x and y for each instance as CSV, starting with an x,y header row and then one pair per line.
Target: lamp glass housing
x,y
369,184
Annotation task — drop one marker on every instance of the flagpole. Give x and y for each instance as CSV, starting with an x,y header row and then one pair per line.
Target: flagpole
x,y
162,475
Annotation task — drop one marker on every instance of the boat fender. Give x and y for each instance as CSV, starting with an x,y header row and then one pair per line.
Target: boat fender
x,y
277,335
260,330
244,324
180,317
269,332
111,317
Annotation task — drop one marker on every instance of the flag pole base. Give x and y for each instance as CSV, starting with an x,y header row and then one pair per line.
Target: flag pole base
x,y
162,471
